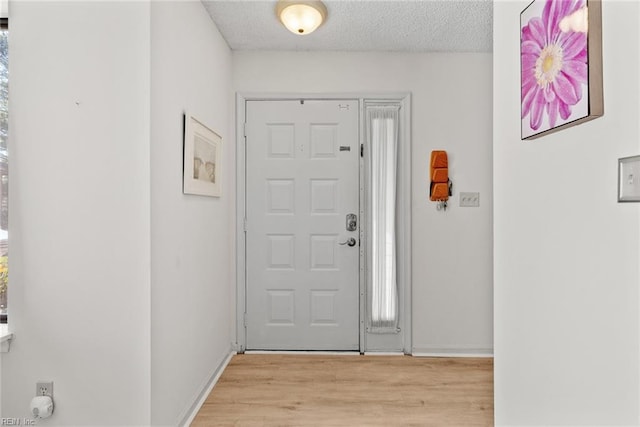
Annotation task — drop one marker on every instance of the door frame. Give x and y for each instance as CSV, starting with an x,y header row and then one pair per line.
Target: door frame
x,y
404,205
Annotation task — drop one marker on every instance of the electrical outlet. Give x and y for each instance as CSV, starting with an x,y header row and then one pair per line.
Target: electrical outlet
x,y
44,388
470,200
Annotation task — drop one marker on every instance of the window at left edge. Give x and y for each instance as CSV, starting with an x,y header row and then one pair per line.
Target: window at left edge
x,y
4,169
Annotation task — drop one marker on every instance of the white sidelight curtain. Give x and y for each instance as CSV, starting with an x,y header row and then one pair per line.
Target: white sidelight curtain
x,y
382,127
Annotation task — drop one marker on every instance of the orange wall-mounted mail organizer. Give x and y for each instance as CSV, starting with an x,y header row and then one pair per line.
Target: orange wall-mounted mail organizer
x,y
440,189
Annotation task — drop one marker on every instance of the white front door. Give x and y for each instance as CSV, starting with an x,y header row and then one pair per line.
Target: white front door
x,y
302,181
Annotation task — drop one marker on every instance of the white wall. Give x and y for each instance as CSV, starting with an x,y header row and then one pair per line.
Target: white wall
x,y
121,285
80,276
566,254
192,255
451,96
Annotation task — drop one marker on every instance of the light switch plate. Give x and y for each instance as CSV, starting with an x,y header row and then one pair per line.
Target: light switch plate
x,y
629,179
470,200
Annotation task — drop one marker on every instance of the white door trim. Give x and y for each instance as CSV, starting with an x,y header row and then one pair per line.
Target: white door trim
x,y
404,203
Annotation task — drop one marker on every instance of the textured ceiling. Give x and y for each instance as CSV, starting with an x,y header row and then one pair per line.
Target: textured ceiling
x,y
362,25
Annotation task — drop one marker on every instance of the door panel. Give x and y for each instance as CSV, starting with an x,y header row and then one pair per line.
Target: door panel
x,y
302,181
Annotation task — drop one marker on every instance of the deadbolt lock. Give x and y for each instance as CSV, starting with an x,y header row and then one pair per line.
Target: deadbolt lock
x,y
352,222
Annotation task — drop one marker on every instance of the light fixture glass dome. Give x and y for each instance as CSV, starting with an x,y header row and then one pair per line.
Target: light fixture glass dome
x,y
301,17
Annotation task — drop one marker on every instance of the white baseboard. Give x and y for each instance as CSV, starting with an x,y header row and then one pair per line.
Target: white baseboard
x,y
383,353
202,397
302,352
452,352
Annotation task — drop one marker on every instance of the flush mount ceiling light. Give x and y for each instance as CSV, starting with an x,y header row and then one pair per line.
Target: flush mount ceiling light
x,y
300,16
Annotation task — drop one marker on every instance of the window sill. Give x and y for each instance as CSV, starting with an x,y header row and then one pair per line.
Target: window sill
x,y
5,339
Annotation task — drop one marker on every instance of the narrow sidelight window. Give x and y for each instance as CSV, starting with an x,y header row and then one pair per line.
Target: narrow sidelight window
x,y
382,287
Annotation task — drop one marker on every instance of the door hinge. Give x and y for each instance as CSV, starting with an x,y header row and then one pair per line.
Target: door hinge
x,y
361,150
244,129
244,225
244,319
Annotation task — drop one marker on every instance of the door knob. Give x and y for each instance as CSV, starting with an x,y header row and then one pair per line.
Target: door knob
x,y
349,242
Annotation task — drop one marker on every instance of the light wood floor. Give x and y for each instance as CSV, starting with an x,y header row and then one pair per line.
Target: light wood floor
x,y
315,390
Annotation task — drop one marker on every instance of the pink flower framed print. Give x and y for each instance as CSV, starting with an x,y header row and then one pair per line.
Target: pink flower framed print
x,y
561,65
